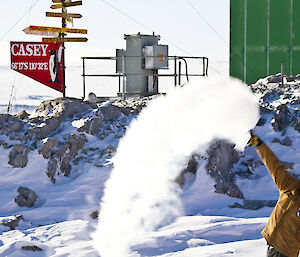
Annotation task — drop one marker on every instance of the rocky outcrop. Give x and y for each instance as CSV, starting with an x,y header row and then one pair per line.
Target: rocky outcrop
x,y
13,223
22,115
46,150
46,128
110,112
10,123
26,197
62,108
60,155
221,158
92,126
18,156
192,166
51,169
282,118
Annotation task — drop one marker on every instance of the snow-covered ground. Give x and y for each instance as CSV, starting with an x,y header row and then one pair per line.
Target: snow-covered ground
x,y
60,222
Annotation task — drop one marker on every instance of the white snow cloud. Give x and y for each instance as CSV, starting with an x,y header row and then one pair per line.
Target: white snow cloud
x,y
141,194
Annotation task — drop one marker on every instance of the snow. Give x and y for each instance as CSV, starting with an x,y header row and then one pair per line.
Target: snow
x,y
61,225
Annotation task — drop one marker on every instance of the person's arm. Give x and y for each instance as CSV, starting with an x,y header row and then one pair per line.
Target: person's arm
x,y
283,180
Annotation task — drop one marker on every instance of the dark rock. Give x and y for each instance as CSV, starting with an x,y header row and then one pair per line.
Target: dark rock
x,y
297,126
62,152
4,118
65,166
261,122
282,118
18,156
191,168
22,115
286,141
92,126
31,248
221,158
254,204
50,126
26,197
51,169
108,152
92,97
94,215
110,112
62,108
15,127
76,144
276,140
13,223
46,150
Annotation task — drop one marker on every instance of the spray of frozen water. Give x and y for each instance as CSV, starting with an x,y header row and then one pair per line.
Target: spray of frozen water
x,y
141,194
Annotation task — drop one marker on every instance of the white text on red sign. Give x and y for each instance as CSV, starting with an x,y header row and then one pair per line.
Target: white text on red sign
x,y
30,66
29,50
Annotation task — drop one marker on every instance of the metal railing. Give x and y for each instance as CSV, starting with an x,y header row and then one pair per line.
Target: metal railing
x,y
177,74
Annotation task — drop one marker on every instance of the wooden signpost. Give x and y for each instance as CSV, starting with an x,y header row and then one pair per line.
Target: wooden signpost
x,y
56,29
58,37
66,4
65,39
63,15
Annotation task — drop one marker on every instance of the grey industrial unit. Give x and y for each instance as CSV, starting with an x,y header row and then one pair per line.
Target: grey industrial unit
x,y
140,62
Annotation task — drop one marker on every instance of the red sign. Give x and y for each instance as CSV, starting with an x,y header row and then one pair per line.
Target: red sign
x,y
39,61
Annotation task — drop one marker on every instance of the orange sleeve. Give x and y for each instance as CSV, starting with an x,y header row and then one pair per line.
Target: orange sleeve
x,y
283,180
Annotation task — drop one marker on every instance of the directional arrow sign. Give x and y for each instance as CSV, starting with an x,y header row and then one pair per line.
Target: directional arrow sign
x,y
57,6
66,39
58,30
40,33
63,15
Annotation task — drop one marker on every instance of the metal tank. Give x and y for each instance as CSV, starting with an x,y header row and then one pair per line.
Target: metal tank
x,y
140,63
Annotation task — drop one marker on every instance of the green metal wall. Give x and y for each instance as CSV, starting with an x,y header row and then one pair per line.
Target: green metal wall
x,y
263,33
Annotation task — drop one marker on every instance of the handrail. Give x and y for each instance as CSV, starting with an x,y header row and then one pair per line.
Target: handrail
x,y
176,74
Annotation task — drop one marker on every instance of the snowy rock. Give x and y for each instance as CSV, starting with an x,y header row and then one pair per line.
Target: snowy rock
x,y
13,223
18,156
286,141
15,127
65,166
191,168
10,123
108,152
76,143
254,204
92,97
51,169
46,128
26,197
110,112
4,118
282,118
46,150
62,108
22,115
92,126
94,215
221,158
33,248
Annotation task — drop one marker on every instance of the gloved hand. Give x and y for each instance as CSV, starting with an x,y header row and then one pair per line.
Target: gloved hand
x,y
254,140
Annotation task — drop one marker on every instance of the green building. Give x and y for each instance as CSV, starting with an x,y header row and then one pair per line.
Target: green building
x,y
264,33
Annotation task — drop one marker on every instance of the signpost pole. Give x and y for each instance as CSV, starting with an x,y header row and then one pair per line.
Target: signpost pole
x,y
64,25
